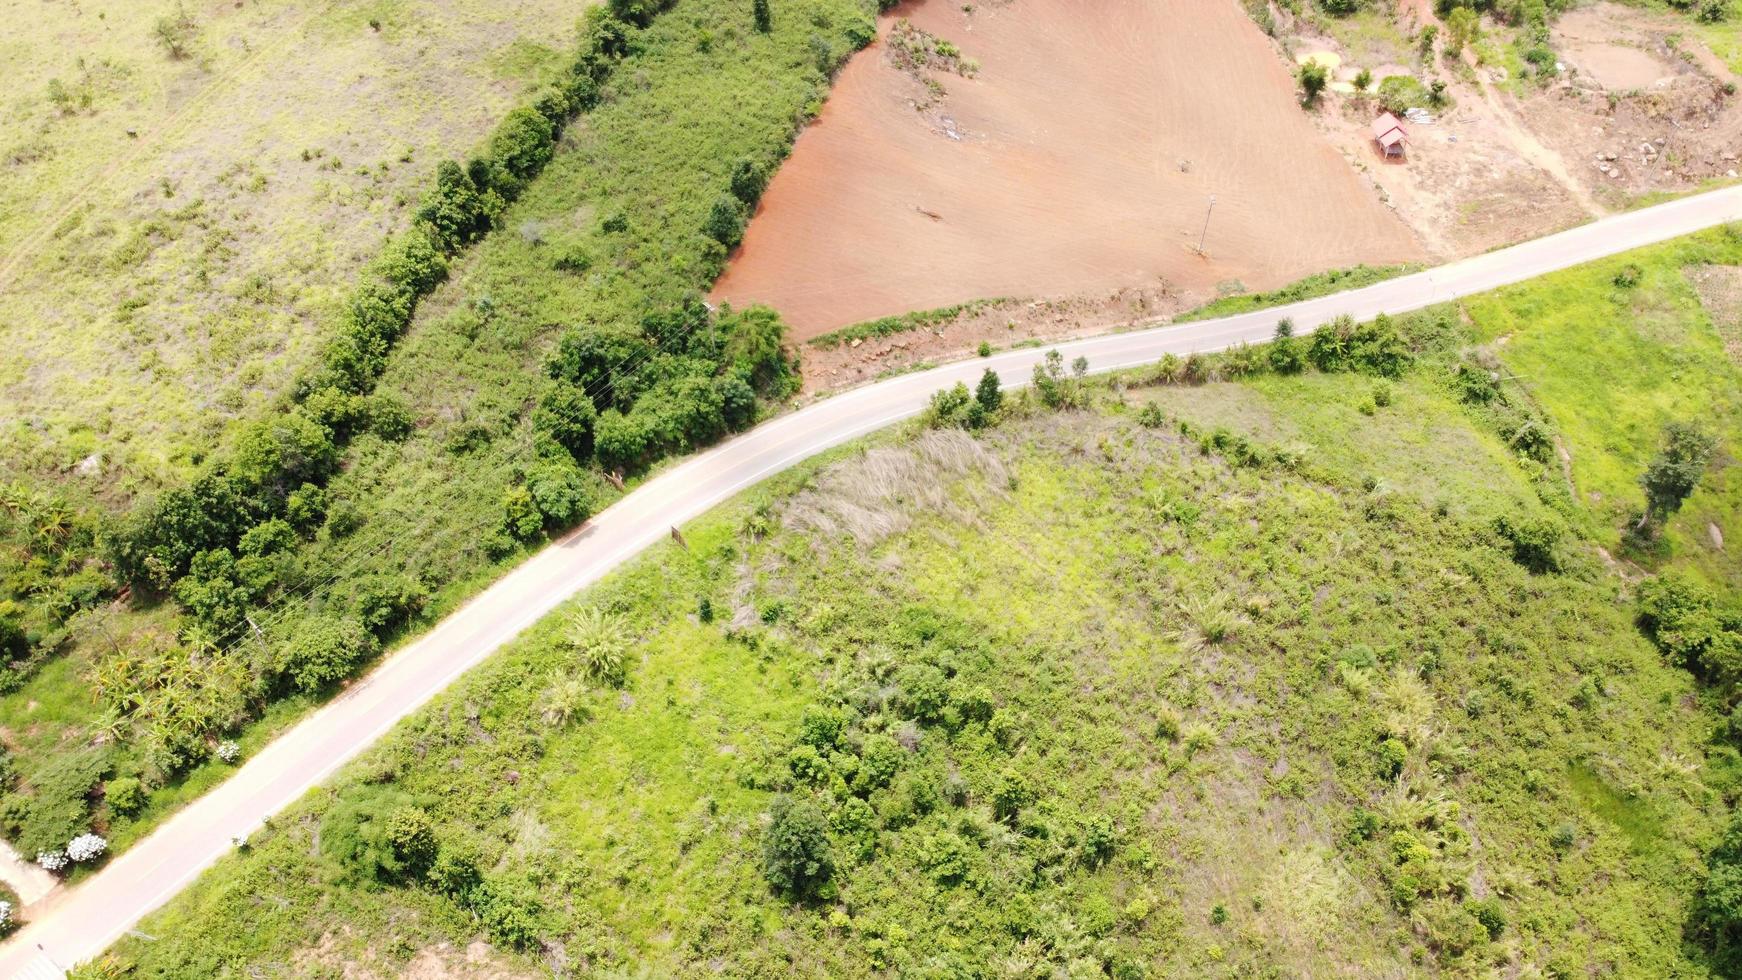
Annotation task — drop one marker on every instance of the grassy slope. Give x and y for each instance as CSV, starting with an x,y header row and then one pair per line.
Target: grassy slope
x,y
1069,569
1611,365
657,152
195,263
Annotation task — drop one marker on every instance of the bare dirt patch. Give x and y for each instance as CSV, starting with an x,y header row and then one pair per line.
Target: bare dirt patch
x,y
1000,324
1079,158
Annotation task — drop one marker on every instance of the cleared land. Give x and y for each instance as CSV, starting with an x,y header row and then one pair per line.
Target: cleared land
x,y
178,228
1078,157
1277,624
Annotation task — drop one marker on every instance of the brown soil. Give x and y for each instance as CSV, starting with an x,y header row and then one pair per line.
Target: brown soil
x,y
1628,133
1078,159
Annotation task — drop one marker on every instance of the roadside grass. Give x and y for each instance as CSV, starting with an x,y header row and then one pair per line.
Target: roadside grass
x,y
610,232
1612,364
1318,284
224,202
1421,444
1119,667
901,323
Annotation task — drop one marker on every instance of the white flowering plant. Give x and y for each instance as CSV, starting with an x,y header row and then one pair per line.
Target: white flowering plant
x,y
86,847
52,860
229,751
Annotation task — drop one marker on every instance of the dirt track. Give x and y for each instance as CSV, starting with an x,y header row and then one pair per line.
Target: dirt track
x,y
1057,169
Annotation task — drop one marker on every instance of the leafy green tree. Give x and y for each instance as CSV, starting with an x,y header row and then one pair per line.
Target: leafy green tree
x,y
1676,470
796,856
760,14
748,181
989,392
725,221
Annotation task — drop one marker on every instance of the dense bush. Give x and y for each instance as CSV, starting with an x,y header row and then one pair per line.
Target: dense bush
x,y
379,834
1694,626
325,649
1373,347
796,856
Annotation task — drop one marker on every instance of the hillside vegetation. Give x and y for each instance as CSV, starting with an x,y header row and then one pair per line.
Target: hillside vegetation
x,y
1299,660
531,340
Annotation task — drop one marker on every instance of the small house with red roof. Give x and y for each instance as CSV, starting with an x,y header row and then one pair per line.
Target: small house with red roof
x,y
1388,132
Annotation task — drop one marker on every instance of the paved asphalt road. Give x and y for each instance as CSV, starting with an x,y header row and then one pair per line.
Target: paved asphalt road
x,y
80,924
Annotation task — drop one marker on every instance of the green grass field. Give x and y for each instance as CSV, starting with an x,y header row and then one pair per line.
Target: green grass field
x,y
177,231
1220,679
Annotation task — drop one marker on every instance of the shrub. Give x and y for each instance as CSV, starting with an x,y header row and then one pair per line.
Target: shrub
x,y
1398,93
510,917
1012,795
174,32
1489,913
725,221
748,181
760,16
1688,622
560,491
124,795
954,407
86,847
323,650
1313,78
379,834
880,757
796,857
521,146
600,642
1534,541
520,514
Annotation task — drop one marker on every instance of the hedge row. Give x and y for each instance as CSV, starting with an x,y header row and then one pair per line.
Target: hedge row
x,y
279,463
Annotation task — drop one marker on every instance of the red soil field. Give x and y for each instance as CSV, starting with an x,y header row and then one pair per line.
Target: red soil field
x,y
1081,157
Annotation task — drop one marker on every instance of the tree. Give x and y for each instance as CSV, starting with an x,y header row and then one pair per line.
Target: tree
x,y
1363,80
1313,78
760,14
796,857
1461,29
725,222
988,392
1676,470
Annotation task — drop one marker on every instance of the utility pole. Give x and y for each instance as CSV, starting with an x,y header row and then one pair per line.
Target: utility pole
x,y
1205,233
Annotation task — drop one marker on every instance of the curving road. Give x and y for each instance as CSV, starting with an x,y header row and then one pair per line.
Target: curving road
x,y
87,919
